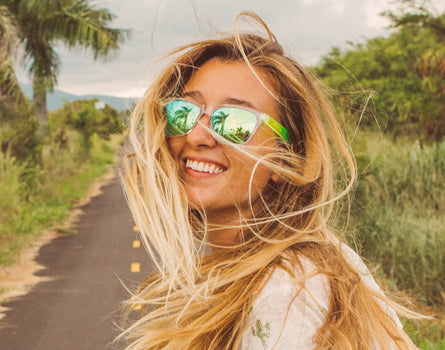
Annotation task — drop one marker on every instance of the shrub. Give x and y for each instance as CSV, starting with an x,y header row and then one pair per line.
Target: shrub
x,y
18,134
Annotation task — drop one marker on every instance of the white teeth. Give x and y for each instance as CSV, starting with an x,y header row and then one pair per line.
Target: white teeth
x,y
203,167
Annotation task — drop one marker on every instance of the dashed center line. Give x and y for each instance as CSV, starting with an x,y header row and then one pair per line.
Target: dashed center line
x,y
135,267
136,306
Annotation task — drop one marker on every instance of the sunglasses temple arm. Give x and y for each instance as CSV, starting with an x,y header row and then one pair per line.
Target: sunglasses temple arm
x,y
277,127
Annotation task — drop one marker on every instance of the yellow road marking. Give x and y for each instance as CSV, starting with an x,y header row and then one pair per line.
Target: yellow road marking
x,y
135,229
135,267
136,306
136,244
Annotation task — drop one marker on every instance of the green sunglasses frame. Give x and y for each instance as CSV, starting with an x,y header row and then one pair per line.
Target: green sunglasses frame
x,y
261,117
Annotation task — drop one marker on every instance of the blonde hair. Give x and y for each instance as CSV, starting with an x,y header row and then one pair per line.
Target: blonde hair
x,y
200,300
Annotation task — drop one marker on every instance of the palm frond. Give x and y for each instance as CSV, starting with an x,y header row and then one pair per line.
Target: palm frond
x,y
80,25
76,23
88,28
9,85
8,31
43,61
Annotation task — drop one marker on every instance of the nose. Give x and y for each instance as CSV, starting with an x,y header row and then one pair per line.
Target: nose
x,y
200,135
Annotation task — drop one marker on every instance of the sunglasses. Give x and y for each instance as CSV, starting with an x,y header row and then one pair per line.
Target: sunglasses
x,y
233,123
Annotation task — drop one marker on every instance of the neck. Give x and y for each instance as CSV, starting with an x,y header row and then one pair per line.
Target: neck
x,y
224,228
223,236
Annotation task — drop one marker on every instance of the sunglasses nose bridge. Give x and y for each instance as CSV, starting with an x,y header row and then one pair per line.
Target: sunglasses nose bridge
x,y
200,134
205,111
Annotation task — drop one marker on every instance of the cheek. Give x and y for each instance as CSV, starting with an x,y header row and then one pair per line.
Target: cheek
x,y
262,177
243,172
174,145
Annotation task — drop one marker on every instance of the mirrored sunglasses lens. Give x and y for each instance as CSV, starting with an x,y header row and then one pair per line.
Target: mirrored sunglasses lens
x,y
234,124
181,116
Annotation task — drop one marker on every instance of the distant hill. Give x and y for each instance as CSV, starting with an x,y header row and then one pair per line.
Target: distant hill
x,y
58,98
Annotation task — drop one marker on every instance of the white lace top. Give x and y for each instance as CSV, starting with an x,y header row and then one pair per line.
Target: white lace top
x,y
284,318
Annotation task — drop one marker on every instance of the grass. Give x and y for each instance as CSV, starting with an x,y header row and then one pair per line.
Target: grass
x,y
40,197
427,335
427,345
397,221
397,215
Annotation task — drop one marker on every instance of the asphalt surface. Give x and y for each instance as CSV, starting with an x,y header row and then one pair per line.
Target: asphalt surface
x,y
80,307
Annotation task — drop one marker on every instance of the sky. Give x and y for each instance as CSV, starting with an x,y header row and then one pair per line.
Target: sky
x,y
307,29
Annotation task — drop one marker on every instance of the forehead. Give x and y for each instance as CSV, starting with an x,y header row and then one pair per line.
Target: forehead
x,y
218,82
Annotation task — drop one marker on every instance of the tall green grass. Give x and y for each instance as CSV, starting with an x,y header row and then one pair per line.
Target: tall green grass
x,y
427,345
427,335
11,200
37,197
398,215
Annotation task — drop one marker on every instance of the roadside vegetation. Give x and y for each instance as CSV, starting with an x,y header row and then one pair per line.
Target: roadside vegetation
x,y
35,196
390,92
397,222
48,160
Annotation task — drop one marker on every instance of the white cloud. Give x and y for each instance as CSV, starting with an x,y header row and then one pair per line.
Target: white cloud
x,y
307,28
373,10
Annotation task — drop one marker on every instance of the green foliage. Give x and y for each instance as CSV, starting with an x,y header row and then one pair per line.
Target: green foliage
x,y
76,23
397,216
40,182
39,25
9,36
431,345
427,335
84,117
37,197
18,134
406,69
10,186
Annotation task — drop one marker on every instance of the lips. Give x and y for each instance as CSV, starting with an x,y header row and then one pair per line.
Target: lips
x,y
203,167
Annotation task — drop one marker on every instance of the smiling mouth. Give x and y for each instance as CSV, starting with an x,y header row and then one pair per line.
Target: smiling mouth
x,y
203,167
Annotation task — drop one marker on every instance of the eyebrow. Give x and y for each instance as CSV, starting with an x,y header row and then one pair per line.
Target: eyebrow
x,y
193,94
229,100
237,101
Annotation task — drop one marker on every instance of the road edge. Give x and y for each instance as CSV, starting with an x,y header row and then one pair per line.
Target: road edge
x,y
20,277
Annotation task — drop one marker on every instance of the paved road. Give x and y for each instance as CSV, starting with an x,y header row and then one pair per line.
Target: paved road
x,y
79,308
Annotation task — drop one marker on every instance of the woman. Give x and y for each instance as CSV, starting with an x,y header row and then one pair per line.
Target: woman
x,y
234,150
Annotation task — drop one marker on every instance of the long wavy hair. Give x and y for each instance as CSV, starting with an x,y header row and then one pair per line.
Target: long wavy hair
x,y
200,299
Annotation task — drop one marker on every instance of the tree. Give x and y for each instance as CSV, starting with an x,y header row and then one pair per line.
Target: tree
x,y
219,122
84,117
421,15
17,135
406,69
9,36
179,123
418,13
78,24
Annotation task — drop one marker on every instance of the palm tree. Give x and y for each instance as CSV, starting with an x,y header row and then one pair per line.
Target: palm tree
x,y
76,23
219,122
9,37
181,116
